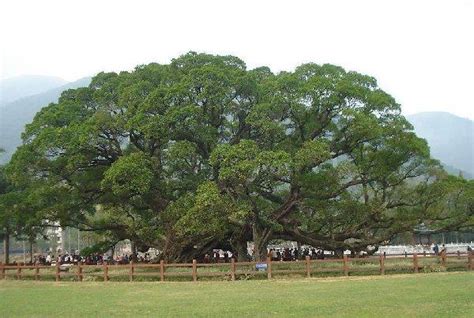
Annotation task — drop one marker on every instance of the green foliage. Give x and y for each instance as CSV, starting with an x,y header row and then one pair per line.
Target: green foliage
x,y
203,152
311,154
101,247
129,176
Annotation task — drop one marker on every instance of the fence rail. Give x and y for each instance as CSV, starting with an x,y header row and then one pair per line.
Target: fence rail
x,y
232,270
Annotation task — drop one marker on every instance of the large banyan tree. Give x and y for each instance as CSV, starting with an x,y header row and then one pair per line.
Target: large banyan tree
x,y
203,153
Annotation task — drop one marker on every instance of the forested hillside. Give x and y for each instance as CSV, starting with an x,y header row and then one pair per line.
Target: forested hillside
x,y
18,87
15,115
451,139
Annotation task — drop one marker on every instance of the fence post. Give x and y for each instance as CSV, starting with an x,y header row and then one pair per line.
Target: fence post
x,y
18,271
269,267
459,254
443,259
37,271
194,271
131,271
106,272
162,270
308,266
382,265
79,271
415,262
2,270
232,268
58,274
469,260
346,265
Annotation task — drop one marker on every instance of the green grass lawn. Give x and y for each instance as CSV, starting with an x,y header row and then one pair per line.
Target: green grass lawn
x,y
421,295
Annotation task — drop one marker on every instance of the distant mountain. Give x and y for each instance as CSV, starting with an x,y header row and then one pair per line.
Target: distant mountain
x,y
451,139
18,87
15,115
457,172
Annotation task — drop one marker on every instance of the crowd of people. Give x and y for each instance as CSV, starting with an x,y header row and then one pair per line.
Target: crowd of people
x,y
216,256
92,259
276,254
294,254
67,258
443,250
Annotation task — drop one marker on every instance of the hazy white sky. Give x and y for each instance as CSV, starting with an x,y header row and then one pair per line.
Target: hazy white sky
x,y
421,52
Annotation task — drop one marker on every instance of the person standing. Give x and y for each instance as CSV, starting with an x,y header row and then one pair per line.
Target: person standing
x,y
436,249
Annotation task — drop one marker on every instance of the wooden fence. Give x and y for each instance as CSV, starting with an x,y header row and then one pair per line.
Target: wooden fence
x,y
193,271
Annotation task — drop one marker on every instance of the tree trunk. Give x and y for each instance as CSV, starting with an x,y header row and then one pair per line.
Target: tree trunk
x,y
6,246
239,247
339,252
31,251
113,252
260,241
133,247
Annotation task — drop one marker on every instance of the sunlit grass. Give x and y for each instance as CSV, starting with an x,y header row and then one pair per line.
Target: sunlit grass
x,y
413,295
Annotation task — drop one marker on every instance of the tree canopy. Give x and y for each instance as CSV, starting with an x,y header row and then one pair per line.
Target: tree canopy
x,y
203,153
